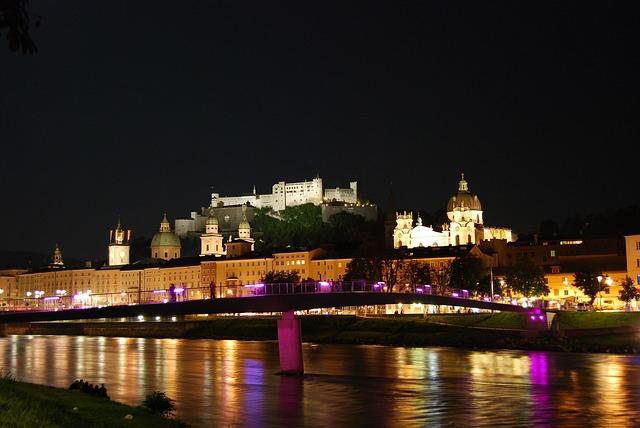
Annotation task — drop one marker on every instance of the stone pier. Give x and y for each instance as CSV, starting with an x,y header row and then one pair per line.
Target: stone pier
x,y
290,345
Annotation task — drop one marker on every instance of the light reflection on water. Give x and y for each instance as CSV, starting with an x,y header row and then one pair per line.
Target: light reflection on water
x,y
230,382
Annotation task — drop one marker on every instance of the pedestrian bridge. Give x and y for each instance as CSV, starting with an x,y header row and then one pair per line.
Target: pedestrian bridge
x,y
258,303
273,300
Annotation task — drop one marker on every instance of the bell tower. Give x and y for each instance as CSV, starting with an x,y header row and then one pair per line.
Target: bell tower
x,y
119,245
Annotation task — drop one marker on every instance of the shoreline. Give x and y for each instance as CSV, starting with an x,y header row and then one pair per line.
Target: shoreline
x,y
597,333
28,404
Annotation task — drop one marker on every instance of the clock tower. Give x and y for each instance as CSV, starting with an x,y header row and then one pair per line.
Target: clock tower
x,y
119,243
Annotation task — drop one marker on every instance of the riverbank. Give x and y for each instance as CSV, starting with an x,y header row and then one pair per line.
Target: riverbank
x,y
571,332
30,405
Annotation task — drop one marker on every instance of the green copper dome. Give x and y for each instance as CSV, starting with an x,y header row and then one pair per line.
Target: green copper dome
x,y
211,220
165,239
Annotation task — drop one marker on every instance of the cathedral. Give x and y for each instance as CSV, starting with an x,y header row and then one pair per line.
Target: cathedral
x,y
466,225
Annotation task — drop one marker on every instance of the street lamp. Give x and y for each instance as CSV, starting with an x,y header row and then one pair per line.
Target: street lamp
x,y
600,289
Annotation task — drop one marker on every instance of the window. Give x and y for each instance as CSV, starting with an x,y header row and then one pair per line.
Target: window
x,y
638,245
552,253
566,292
638,263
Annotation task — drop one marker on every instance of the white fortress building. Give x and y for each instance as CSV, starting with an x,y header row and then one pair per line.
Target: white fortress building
x,y
290,194
466,225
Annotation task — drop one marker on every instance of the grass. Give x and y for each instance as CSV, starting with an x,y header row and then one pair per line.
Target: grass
x,y
575,320
29,405
501,320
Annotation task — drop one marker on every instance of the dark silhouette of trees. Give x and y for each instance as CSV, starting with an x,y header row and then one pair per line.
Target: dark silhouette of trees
x,y
281,277
467,272
628,291
587,281
14,24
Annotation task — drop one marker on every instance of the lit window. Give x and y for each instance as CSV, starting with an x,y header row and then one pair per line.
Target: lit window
x,y
552,253
566,292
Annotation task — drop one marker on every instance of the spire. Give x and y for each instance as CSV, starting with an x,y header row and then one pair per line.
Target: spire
x,y
165,226
462,184
254,189
119,225
57,257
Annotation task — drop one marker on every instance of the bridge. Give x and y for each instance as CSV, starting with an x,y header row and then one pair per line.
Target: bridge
x,y
273,299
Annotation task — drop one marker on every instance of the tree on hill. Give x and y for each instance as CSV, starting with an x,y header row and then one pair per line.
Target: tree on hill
x,y
628,291
527,278
441,280
587,281
416,273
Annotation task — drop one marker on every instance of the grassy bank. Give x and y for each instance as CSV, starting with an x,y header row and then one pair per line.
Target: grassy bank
x,y
29,405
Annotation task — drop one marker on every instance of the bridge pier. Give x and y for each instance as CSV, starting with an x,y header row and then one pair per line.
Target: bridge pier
x,y
290,345
3,330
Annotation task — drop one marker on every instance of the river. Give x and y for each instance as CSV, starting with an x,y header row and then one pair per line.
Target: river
x,y
233,383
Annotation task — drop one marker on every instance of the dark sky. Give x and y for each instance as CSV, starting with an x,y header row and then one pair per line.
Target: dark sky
x,y
132,108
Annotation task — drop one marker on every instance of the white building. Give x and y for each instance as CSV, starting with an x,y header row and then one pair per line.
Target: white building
x,y
466,225
291,194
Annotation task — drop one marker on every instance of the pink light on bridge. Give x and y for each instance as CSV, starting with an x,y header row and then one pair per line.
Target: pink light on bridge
x,y
178,290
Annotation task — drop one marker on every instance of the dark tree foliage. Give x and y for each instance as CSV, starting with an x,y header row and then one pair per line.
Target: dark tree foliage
x,y
281,277
302,226
364,268
416,273
587,281
527,278
14,24
467,273
628,291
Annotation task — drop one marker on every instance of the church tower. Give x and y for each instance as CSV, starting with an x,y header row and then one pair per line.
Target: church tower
x,y
402,232
165,244
244,228
119,244
211,240
465,214
56,260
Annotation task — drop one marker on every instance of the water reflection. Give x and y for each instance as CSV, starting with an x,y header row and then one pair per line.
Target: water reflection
x,y
234,383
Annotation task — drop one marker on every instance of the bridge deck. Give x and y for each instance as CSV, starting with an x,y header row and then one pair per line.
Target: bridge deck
x,y
269,303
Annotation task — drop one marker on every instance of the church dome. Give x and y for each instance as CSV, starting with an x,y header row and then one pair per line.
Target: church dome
x,y
464,198
212,220
165,237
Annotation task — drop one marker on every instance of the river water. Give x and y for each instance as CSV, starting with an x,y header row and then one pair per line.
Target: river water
x,y
232,383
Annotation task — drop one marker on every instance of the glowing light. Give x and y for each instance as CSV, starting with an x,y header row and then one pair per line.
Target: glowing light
x,y
157,318
1,290
165,300
323,283
140,317
28,293
541,317
179,290
455,294
158,291
46,299
173,318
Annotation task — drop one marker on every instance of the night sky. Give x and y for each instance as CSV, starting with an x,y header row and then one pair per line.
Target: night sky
x,y
132,108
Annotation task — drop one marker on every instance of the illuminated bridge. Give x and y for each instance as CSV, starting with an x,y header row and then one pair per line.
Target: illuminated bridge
x,y
274,299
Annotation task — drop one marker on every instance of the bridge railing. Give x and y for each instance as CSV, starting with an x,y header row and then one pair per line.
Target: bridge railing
x,y
180,293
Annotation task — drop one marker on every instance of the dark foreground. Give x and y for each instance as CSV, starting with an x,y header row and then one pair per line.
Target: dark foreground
x,y
28,405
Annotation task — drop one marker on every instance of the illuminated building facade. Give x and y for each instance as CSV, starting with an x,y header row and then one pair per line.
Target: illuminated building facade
x,y
466,225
